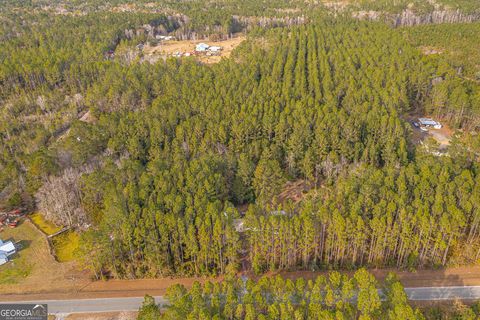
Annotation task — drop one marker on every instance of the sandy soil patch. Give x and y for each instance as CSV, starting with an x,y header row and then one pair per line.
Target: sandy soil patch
x,y
172,47
289,10
339,5
88,117
442,136
426,50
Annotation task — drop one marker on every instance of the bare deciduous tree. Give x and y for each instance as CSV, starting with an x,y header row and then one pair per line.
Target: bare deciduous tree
x,y
59,199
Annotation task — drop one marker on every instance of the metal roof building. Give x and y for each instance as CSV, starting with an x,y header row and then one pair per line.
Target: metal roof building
x,y
202,47
427,122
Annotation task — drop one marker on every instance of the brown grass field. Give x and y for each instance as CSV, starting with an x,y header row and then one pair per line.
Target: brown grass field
x,y
168,48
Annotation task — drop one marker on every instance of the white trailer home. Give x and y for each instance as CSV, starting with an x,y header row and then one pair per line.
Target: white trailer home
x,y
429,123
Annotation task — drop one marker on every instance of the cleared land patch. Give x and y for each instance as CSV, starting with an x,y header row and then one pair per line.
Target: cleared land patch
x,y
187,48
33,268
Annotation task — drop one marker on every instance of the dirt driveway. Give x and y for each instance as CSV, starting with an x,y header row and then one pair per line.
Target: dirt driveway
x,y
442,136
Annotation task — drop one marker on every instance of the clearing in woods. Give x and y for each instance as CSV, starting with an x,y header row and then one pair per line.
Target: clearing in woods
x,y
441,136
171,47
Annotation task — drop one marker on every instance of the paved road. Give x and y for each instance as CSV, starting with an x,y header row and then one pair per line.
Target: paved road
x,y
132,304
92,305
443,293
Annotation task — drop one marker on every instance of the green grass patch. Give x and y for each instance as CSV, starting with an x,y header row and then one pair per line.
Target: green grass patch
x,y
65,245
46,226
13,271
21,264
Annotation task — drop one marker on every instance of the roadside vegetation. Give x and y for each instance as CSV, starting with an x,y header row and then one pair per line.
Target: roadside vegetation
x,y
276,298
333,296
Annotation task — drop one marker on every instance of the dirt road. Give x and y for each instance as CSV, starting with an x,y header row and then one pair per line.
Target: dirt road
x,y
461,276
464,276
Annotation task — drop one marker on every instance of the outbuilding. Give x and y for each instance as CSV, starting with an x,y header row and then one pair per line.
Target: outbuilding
x,y
215,49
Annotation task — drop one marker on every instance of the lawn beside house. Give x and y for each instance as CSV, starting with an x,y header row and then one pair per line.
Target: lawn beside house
x,y
30,247
33,269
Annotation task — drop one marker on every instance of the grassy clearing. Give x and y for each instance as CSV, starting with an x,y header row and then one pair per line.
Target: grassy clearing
x,y
33,269
65,245
13,272
22,263
44,225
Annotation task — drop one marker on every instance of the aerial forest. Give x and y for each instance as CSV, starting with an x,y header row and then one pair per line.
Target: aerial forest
x,y
155,165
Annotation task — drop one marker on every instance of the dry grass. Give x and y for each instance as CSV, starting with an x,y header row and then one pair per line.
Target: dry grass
x,y
427,50
46,226
65,245
33,269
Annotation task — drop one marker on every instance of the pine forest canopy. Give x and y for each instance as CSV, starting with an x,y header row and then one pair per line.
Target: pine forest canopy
x,y
327,297
334,296
154,178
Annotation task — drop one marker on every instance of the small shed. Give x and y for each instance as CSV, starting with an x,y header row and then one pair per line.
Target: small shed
x,y
202,47
215,48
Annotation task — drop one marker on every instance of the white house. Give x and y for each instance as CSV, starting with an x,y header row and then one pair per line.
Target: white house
x,y
202,47
6,250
